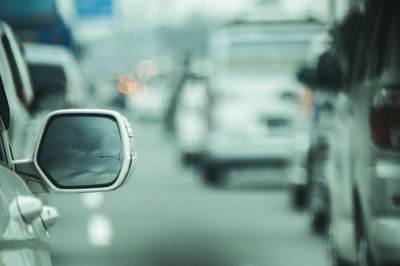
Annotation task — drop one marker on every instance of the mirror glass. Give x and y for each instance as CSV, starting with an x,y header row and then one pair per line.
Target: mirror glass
x,y
79,151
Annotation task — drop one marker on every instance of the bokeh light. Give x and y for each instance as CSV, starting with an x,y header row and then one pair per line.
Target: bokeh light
x,y
126,83
139,92
146,69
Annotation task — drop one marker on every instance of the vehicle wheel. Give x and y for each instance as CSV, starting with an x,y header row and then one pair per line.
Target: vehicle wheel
x,y
213,175
299,197
319,222
364,254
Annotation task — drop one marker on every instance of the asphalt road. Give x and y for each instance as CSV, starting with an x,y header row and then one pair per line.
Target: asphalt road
x,y
166,216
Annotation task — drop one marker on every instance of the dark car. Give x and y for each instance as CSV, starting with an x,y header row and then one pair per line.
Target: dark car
x,y
363,164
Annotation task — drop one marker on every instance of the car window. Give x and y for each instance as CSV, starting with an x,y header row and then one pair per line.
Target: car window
x,y
14,68
3,157
4,107
45,75
4,112
381,22
260,57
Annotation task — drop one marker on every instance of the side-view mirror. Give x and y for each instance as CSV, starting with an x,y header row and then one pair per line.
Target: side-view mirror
x,y
329,75
81,150
308,76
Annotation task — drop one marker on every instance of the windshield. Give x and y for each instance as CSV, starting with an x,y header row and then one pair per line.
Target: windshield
x,y
266,57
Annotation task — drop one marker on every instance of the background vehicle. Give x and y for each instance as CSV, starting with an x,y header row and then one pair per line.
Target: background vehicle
x,y
299,179
190,120
328,82
39,21
363,163
56,77
253,95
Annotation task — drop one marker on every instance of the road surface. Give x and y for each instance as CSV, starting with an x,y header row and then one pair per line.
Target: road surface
x,y
165,215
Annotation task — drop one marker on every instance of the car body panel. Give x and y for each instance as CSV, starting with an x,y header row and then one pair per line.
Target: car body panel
x,y
20,243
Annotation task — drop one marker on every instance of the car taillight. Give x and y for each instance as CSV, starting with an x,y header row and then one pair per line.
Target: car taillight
x,y
396,200
385,119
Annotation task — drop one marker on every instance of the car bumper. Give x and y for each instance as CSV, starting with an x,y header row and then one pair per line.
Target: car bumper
x,y
250,149
344,239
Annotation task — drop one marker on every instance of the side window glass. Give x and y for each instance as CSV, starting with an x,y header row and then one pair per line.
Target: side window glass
x,y
2,152
4,112
14,68
380,34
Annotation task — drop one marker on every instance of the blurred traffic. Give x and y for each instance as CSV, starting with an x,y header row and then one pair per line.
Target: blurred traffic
x,y
267,132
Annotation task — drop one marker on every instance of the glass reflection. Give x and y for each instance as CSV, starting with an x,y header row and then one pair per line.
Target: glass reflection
x,y
81,151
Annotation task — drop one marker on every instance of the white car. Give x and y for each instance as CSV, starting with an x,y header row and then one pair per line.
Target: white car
x,y
300,177
56,76
252,95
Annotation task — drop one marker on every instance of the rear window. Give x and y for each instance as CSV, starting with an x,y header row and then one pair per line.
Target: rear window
x,y
47,77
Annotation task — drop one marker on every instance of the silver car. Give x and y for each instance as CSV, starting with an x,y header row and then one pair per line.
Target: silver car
x,y
253,93
363,166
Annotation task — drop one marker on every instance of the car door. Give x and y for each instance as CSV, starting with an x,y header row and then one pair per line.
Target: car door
x,y
22,242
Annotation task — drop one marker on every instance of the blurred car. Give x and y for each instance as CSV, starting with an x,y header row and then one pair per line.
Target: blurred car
x,y
19,92
191,121
56,77
363,165
308,180
253,94
299,178
327,83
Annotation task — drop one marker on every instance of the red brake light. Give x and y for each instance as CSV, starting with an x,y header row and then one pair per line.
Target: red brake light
x,y
396,200
385,119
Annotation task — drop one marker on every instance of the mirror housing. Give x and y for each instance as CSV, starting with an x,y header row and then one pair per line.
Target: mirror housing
x,y
329,76
81,150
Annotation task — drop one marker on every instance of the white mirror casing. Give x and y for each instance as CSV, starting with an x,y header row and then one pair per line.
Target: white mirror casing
x,y
39,181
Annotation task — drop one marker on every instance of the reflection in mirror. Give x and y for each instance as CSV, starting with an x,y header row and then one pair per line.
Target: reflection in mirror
x,y
80,151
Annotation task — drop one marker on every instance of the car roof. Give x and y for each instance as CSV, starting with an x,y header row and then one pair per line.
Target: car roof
x,y
45,53
48,54
288,30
